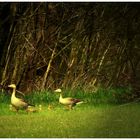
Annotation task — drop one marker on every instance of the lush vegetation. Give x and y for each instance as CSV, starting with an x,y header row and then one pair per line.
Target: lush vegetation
x,y
69,45
100,96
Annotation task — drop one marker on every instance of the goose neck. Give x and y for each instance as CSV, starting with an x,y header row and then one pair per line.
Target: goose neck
x,y
60,96
14,92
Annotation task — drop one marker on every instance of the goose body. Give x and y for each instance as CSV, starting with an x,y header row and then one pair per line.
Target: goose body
x,y
68,100
71,102
17,102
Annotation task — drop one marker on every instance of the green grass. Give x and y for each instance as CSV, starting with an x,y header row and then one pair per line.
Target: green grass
x,y
101,116
85,121
101,96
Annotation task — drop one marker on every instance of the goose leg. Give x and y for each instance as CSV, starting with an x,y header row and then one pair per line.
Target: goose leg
x,y
17,110
67,107
70,107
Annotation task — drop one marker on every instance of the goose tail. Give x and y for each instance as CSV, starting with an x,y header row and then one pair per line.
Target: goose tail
x,y
81,102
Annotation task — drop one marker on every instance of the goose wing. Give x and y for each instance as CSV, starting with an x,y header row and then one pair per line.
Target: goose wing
x,y
75,100
72,100
22,100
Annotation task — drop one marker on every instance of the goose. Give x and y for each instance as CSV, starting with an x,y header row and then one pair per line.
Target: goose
x,y
71,102
40,108
11,108
50,107
31,109
17,103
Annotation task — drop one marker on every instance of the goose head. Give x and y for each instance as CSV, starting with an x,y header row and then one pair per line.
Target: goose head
x,y
12,86
58,90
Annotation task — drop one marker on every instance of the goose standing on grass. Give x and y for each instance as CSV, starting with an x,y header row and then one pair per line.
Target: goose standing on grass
x,y
18,103
71,102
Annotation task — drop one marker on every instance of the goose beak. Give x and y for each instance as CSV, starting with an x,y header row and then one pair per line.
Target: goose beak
x,y
9,85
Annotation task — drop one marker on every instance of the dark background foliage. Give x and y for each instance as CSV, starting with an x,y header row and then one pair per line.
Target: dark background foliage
x,y
70,45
